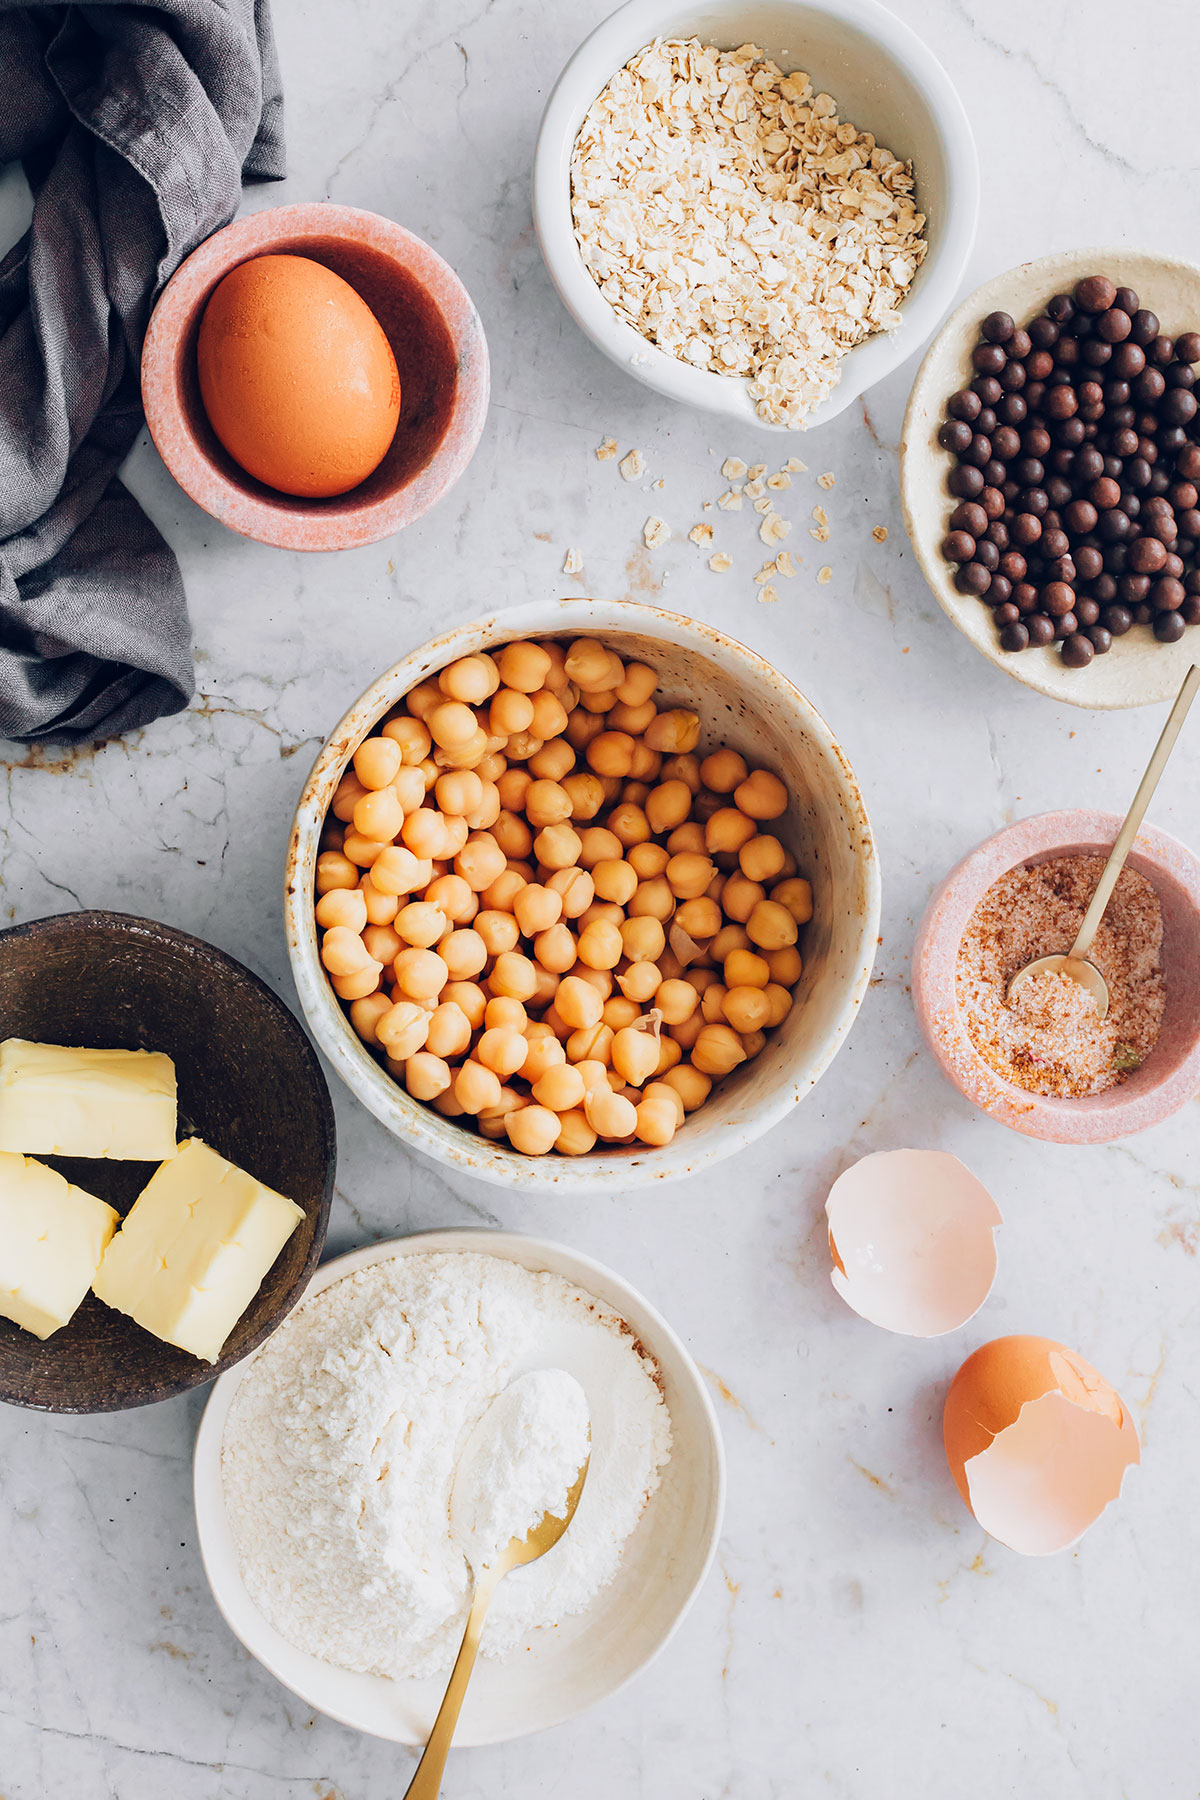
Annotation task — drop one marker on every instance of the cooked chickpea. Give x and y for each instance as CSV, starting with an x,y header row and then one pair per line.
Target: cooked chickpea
x,y
346,796
426,1076
547,984
712,1003
421,924
761,796
669,1053
413,738
491,1121
409,789
484,816
556,678
513,835
476,1087
668,805
771,926
727,940
549,715
382,943
472,678
536,908
796,895
453,896
577,1002
726,831
379,815
403,1029
499,931
688,875
779,1002
785,965
657,1121
601,912
674,733
699,918
637,792
445,1103
637,685
343,951
585,793
619,1012
677,1001
420,974
554,760
424,832
740,896
360,985
512,787
557,847
459,791
610,1115
614,880
556,949
643,938
334,870
342,906
366,1012
377,762
647,860
761,858
629,824
686,840
582,727
523,666
541,1053
533,1130
470,999
753,1041
481,860
452,725
502,893
449,1029
611,753
501,1049
575,1135
653,900
688,1030
590,1044
590,666
640,982
423,698
659,1090
575,888
635,1054
560,1088
546,803
513,975
717,1050
690,1083
464,953
743,968
723,770
598,844
599,945
509,713
381,908
747,1008
632,719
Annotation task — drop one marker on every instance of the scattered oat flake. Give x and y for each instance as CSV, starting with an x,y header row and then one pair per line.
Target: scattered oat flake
x,y
573,562
733,468
655,532
768,595
794,466
755,487
820,533
784,564
730,501
633,466
660,483
757,471
764,504
765,573
720,562
779,481
827,480
701,535
820,515
825,574
773,529
880,534
606,449
707,507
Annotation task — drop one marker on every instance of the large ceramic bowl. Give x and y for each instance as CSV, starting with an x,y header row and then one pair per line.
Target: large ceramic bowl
x,y
437,340
1170,1075
884,79
1138,670
590,1656
742,701
250,1085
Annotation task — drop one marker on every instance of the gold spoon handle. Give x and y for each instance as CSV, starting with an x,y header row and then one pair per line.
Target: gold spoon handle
x,y
427,1781
1141,800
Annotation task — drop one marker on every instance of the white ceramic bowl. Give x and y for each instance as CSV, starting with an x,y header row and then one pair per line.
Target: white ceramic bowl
x,y
884,79
589,1657
1138,670
742,701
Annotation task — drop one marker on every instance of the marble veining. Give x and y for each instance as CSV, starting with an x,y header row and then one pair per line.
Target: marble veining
x,y
860,1637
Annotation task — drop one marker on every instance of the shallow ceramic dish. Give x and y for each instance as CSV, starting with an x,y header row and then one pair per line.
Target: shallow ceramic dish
x,y
589,1657
437,340
742,701
1138,670
1170,1075
883,78
249,1085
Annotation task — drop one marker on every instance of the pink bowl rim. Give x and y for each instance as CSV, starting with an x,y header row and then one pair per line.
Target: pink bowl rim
x,y
327,527
1103,1118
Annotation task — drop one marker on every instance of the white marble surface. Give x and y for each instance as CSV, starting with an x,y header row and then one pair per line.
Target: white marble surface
x,y
860,1637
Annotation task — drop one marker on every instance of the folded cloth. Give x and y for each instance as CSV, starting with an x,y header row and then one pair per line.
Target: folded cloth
x,y
135,122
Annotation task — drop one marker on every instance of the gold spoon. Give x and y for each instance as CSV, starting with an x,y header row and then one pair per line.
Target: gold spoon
x,y
426,1783
1075,963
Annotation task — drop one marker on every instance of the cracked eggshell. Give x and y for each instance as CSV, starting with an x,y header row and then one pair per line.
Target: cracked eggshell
x,y
1037,1442
912,1234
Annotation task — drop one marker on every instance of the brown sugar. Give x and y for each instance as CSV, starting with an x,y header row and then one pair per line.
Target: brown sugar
x,y
1051,1040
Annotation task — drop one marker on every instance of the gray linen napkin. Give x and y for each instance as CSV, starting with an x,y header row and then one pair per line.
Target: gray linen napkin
x,y
135,123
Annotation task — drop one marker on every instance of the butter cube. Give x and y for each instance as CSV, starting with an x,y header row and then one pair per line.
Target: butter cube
x,y
56,1101
52,1237
194,1248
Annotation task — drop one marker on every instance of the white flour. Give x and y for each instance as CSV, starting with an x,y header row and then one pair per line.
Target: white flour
x,y
342,1444
519,1463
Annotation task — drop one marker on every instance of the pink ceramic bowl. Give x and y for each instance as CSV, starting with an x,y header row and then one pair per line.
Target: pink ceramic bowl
x,y
1170,1075
440,352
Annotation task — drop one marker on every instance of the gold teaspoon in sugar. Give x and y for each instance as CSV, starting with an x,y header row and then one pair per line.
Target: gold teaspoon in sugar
x,y
1075,963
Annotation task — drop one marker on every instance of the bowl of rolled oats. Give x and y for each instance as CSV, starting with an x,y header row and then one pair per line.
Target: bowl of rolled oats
x,y
760,210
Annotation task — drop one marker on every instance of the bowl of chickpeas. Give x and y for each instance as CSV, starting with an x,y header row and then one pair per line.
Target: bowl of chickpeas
x,y
581,895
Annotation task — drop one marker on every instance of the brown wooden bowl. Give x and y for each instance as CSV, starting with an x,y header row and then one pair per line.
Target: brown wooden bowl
x,y
250,1085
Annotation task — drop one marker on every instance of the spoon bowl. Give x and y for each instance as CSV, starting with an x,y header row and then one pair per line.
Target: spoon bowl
x,y
1077,967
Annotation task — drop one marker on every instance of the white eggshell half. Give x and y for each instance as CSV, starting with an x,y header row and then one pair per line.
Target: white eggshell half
x,y
1049,1475
913,1239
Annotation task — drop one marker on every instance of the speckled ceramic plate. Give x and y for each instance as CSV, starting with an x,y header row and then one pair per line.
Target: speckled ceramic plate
x,y
1138,670
249,1084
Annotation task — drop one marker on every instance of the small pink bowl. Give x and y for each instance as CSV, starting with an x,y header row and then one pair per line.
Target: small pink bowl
x,y
1170,1075
436,338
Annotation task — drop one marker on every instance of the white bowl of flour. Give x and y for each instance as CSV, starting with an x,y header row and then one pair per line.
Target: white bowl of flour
x,y
325,1462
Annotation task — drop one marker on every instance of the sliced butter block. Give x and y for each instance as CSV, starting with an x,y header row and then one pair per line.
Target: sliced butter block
x,y
52,1237
56,1101
194,1248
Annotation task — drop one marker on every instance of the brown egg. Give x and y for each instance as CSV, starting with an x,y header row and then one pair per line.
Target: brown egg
x,y
297,378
